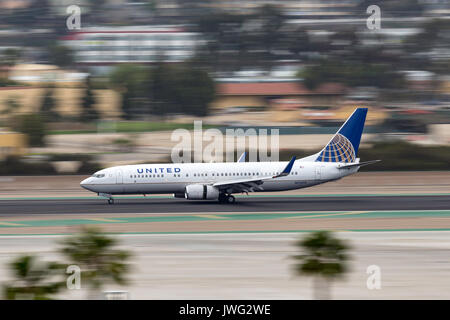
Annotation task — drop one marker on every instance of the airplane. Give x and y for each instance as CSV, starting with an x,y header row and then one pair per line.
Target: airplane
x,y
219,181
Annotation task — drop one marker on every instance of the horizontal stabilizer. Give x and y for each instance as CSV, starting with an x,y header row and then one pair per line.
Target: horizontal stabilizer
x,y
360,164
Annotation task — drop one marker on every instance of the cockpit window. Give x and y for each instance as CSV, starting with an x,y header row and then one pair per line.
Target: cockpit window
x,y
98,175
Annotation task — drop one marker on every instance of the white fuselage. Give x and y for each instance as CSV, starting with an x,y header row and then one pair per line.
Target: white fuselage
x,y
173,178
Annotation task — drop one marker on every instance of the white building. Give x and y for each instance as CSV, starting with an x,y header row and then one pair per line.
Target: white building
x,y
135,44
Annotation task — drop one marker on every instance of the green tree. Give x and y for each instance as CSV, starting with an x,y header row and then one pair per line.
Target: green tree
x,y
180,89
33,126
163,82
47,109
129,80
10,57
12,106
351,73
99,261
33,279
88,111
61,56
324,258
193,90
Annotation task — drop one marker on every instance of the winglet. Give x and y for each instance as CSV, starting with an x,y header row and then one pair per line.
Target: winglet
x,y
242,157
288,168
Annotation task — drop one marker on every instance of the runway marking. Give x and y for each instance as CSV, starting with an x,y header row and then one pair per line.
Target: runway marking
x,y
327,215
105,220
11,224
228,217
210,216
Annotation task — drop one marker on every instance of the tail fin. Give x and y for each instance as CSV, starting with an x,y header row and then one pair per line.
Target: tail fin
x,y
344,145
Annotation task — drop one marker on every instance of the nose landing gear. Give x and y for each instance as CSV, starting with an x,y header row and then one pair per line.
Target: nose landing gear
x,y
107,195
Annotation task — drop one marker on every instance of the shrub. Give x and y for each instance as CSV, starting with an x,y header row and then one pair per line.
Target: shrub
x,y
33,126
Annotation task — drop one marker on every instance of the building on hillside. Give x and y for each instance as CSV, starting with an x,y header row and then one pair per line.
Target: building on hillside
x,y
38,74
286,98
136,44
12,143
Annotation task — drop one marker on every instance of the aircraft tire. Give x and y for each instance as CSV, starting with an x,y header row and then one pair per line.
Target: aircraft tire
x,y
230,199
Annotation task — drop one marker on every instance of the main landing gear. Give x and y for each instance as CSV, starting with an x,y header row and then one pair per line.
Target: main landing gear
x,y
111,201
226,198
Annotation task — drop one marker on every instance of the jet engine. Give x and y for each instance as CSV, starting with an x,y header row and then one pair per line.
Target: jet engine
x,y
201,192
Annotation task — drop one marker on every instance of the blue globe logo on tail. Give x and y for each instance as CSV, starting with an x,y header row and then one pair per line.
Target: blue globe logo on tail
x,y
345,143
340,149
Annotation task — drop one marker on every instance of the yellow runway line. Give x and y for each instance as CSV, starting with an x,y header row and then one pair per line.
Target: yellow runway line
x,y
104,220
11,224
210,216
327,215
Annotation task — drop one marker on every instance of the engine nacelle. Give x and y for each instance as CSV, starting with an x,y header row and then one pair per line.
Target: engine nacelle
x,y
179,195
201,192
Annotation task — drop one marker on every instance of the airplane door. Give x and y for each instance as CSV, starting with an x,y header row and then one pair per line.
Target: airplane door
x,y
119,177
318,173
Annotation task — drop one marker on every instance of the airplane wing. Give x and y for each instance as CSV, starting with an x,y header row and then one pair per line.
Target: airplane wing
x,y
359,164
242,157
250,184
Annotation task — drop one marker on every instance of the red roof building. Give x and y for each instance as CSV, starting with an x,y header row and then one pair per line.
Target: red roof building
x,y
277,94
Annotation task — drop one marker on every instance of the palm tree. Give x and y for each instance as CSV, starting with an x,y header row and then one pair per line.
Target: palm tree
x,y
33,280
97,258
48,105
88,110
324,257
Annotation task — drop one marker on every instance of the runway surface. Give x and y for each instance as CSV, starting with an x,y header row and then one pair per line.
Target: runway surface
x,y
251,204
413,265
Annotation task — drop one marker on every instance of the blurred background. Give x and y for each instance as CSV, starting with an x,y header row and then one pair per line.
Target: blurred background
x,y
91,84
78,95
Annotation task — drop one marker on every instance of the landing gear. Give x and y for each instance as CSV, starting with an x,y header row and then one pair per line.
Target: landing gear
x,y
107,195
231,199
224,198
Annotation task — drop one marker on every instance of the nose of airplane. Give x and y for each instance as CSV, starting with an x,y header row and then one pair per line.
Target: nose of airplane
x,y
84,184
